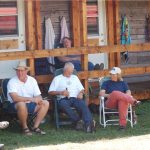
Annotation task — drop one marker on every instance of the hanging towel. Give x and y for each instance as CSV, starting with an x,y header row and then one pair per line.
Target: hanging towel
x,y
49,40
125,31
64,29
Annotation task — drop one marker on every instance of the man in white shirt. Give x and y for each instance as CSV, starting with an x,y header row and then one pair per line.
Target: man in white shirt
x,y
25,97
70,92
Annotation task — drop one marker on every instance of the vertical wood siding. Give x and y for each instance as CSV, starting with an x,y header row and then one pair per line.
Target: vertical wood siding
x,y
55,10
136,12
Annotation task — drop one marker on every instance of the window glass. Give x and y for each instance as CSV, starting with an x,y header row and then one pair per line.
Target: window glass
x,y
92,17
8,18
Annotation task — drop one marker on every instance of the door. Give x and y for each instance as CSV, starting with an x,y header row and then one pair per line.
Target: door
x,y
12,33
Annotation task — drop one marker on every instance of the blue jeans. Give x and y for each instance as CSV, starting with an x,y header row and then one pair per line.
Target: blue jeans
x,y
77,65
30,107
81,107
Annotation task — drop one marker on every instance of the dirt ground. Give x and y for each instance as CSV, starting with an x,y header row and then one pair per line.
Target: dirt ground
x,y
128,143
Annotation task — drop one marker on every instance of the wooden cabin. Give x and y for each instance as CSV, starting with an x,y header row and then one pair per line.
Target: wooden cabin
x,y
95,27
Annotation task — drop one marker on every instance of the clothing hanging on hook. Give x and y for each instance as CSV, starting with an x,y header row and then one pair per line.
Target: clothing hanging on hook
x,y
64,29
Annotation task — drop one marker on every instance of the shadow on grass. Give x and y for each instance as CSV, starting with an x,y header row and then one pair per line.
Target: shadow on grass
x,y
13,139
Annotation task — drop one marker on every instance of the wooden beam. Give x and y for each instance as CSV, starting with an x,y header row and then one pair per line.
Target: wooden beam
x,y
110,29
83,41
73,51
75,22
96,74
30,31
117,30
38,27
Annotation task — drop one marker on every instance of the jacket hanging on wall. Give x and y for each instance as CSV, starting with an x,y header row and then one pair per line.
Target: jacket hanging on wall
x,y
64,29
49,40
125,35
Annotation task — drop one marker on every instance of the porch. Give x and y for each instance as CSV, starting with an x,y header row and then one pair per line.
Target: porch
x,y
84,46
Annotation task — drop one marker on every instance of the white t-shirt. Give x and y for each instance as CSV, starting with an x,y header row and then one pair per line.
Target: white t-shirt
x,y
28,89
72,83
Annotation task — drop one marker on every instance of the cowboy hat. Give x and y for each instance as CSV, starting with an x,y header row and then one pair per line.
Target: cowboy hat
x,y
22,66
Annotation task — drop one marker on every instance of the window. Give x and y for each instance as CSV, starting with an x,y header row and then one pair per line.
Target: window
x,y
8,18
92,17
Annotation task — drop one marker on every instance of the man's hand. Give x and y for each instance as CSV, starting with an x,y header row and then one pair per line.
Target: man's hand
x,y
80,96
37,100
65,93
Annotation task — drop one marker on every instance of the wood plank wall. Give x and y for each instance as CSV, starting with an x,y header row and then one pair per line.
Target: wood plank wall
x,y
55,10
136,12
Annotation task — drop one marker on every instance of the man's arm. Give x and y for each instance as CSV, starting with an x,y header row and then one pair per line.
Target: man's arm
x,y
103,93
17,98
63,93
80,95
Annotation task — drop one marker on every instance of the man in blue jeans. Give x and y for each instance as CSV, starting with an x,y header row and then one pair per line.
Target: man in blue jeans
x,y
70,91
75,59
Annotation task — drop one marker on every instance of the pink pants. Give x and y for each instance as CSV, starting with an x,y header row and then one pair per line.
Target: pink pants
x,y
120,101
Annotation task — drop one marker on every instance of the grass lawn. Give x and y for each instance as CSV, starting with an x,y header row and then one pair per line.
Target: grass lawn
x,y
66,138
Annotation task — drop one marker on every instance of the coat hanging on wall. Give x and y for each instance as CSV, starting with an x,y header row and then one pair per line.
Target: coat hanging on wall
x,y
49,40
125,36
64,29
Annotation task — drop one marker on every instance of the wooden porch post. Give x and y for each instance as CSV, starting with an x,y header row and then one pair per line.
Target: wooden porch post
x,y
75,22
83,38
38,27
30,31
117,30
112,24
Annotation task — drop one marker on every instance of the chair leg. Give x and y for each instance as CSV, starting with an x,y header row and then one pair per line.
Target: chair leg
x,y
56,116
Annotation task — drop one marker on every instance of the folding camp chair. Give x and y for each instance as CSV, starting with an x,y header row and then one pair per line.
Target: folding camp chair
x,y
109,116
5,106
59,115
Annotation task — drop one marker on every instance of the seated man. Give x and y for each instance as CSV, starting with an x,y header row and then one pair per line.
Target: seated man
x,y
118,95
75,59
70,91
25,97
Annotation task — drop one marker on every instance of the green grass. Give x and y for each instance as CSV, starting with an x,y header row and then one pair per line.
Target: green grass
x,y
13,139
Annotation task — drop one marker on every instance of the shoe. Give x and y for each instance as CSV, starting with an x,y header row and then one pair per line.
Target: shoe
x,y
4,124
38,131
101,66
122,128
79,125
97,67
136,103
27,132
1,146
91,128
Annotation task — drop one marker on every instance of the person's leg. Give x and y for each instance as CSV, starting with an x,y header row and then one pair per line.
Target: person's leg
x,y
121,101
90,66
123,109
41,112
116,96
66,106
81,106
22,113
77,65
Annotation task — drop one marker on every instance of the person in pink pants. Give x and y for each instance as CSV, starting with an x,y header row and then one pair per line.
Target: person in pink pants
x,y
118,95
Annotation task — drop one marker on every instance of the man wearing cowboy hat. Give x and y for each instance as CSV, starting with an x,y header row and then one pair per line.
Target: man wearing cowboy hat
x,y
25,97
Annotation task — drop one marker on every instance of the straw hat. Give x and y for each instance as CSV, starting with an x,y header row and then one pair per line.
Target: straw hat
x,y
22,66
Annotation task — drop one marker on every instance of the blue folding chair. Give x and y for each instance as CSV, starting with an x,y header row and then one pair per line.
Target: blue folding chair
x,y
6,111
